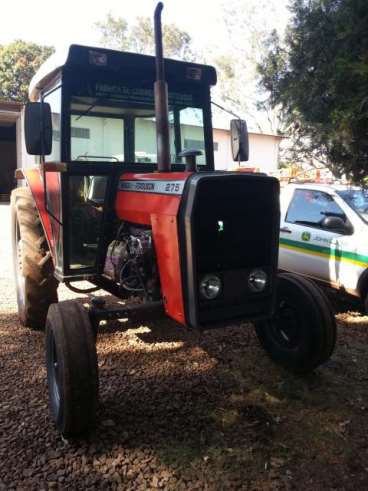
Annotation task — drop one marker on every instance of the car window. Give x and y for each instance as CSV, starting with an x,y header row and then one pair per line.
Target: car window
x,y
309,207
357,199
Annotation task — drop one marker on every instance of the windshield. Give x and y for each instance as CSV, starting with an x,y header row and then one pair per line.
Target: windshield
x,y
115,122
357,199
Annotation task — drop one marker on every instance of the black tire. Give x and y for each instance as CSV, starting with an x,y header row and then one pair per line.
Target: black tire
x,y
36,287
365,303
302,334
72,373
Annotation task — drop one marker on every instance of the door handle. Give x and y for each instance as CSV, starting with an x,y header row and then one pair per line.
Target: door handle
x,y
285,230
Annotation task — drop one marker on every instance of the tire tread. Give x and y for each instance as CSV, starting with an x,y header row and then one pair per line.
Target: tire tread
x,y
40,284
321,334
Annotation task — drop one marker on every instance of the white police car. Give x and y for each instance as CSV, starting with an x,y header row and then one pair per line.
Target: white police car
x,y
324,235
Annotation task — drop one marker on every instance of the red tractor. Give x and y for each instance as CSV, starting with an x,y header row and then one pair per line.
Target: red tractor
x,y
124,195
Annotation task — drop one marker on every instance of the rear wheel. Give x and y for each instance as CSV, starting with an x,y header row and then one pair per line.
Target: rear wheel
x,y
365,302
302,333
36,287
72,373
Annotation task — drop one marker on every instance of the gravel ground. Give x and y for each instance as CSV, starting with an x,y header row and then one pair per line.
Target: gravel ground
x,y
178,411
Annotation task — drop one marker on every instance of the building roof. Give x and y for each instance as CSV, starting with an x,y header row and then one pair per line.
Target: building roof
x,y
10,106
221,121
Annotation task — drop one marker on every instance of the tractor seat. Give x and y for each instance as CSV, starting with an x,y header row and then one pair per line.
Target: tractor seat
x,y
97,189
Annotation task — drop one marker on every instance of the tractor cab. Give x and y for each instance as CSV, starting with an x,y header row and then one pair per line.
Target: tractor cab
x,y
103,124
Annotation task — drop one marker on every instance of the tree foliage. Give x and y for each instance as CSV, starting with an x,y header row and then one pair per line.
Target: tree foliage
x,y
19,61
318,75
236,60
138,37
246,26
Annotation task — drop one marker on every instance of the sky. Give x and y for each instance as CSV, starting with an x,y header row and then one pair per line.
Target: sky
x,y
63,22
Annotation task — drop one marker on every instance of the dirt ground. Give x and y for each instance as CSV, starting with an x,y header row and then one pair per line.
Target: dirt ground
x,y
183,412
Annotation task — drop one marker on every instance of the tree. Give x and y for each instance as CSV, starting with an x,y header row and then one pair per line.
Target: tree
x,y
236,61
139,37
247,27
114,32
318,75
19,61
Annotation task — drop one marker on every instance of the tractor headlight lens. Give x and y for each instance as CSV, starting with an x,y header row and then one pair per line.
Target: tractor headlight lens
x,y
210,287
257,280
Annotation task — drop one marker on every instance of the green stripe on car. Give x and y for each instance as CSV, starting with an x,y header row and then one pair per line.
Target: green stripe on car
x,y
313,249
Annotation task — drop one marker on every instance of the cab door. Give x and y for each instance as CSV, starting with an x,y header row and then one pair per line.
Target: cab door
x,y
308,244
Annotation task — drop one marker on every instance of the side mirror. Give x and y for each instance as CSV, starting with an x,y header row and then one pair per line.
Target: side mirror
x,y
38,128
239,140
334,223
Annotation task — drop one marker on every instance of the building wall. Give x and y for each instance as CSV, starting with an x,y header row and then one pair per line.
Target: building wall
x,y
223,157
263,151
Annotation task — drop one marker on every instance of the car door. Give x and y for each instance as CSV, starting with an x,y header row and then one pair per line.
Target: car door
x,y
306,245
354,247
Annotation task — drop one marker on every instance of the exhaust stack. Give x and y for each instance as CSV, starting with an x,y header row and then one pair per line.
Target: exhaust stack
x,y
161,99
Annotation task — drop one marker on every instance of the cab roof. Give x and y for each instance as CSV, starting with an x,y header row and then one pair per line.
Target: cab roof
x,y
89,58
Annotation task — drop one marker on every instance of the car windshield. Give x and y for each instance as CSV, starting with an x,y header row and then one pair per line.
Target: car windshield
x,y
357,199
116,123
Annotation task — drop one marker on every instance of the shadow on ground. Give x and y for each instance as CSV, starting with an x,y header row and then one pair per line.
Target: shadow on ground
x,y
179,411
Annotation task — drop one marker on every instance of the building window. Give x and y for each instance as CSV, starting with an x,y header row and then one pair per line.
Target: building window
x,y
80,133
190,144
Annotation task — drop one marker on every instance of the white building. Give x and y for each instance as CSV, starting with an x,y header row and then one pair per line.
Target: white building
x,y
263,151
263,148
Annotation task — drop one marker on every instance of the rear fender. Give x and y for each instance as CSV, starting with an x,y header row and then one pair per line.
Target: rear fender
x,y
35,182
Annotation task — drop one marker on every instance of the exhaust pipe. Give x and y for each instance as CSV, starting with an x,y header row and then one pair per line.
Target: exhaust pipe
x,y
161,99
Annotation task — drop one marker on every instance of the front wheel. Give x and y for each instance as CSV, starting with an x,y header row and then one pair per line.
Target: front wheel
x,y
302,333
72,373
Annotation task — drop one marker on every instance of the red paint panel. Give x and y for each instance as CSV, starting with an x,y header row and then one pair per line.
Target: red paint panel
x,y
54,205
166,240
160,212
138,207
35,183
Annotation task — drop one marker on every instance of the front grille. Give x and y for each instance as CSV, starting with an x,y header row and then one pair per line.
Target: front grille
x,y
230,226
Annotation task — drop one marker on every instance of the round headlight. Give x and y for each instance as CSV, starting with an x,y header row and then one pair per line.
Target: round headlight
x,y
210,286
257,280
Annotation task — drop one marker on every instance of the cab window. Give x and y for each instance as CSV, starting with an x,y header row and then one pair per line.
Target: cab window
x,y
97,137
310,208
54,99
115,122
